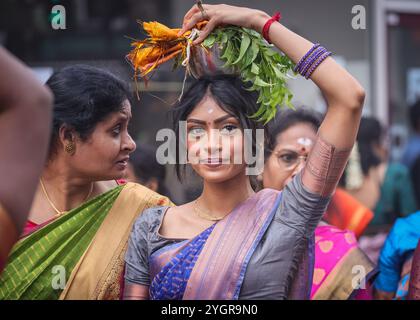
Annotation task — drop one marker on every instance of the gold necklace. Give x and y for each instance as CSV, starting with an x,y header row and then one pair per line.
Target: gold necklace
x,y
60,213
206,215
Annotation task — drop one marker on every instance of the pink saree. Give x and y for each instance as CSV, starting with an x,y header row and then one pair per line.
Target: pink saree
x,y
338,262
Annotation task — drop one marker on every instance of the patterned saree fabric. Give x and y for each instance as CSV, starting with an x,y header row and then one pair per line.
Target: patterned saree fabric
x,y
58,246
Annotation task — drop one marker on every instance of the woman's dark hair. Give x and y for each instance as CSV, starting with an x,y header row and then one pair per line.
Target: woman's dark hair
x,y
83,97
370,134
286,119
146,166
229,93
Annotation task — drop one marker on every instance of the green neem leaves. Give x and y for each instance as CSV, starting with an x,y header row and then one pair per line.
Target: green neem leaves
x,y
265,69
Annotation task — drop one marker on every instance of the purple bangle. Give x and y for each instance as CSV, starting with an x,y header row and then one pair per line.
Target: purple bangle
x,y
312,59
301,62
317,63
297,68
309,60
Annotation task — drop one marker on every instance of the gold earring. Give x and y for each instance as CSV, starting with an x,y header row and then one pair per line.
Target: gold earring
x,y
70,148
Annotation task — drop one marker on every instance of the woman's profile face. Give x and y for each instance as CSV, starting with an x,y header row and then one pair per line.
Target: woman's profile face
x,y
289,155
214,142
105,154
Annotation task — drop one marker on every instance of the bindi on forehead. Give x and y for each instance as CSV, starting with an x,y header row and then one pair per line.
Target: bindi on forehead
x,y
305,142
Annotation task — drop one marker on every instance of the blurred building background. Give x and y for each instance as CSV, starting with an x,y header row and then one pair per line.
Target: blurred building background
x,y
384,56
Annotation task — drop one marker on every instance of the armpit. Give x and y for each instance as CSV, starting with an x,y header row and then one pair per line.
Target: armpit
x,y
324,167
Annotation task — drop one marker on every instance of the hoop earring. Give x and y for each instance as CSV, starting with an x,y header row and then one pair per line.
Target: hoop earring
x,y
70,148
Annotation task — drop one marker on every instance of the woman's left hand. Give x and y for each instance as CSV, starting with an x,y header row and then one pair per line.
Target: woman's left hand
x,y
222,14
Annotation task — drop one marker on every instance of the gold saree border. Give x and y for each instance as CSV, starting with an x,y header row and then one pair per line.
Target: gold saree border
x,y
338,284
98,273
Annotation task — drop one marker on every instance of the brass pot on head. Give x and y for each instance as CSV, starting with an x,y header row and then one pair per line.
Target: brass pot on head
x,y
207,62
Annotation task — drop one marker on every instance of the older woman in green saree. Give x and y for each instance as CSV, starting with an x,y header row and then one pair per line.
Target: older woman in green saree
x,y
79,222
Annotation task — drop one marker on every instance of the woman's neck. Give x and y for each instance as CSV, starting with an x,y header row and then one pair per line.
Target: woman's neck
x,y
222,198
63,188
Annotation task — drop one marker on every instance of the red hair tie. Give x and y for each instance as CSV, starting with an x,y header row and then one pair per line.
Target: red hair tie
x,y
266,28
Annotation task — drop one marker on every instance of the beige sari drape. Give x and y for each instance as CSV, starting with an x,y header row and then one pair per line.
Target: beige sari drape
x,y
98,274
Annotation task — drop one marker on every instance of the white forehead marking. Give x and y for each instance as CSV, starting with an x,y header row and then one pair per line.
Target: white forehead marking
x,y
305,142
210,110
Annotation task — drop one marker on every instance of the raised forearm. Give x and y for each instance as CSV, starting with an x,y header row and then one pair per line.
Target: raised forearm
x,y
334,81
344,96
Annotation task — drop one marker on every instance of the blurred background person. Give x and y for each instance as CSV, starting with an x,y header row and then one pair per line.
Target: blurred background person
x,y
415,177
411,157
387,187
396,259
144,169
382,186
25,123
412,149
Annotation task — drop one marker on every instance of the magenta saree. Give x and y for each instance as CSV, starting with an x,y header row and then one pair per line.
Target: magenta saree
x,y
338,263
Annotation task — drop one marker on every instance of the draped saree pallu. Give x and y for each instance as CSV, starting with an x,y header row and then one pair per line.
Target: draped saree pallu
x,y
212,265
81,254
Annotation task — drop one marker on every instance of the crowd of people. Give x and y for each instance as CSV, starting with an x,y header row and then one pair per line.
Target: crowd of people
x,y
328,218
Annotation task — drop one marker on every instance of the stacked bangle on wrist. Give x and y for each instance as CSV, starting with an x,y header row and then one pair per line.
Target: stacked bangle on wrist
x,y
311,60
